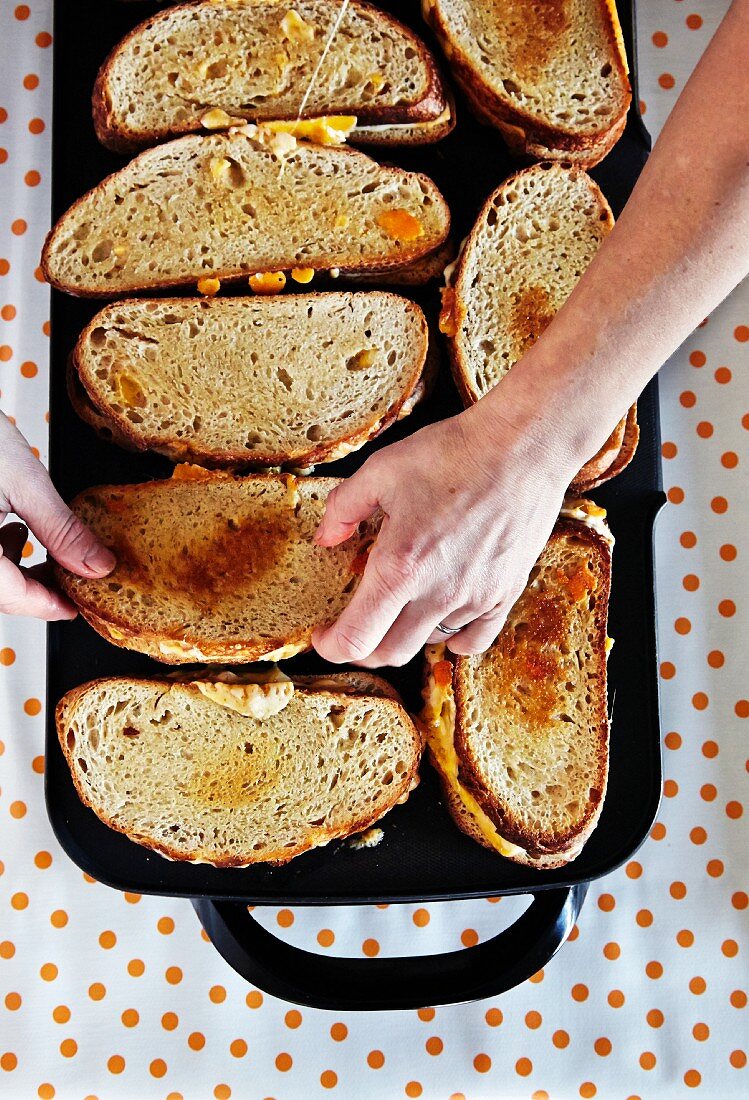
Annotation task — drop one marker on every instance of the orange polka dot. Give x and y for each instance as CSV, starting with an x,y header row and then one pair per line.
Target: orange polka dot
x,y
132,899
370,948
741,333
654,970
692,1078
28,550
36,126
8,1061
284,1062
325,937
701,1032
587,1090
421,918
434,1045
469,937
524,1067
678,890
716,659
698,835
338,1032
607,902
4,265
130,1017
537,977
19,227
574,933
8,313
579,992
670,788
48,972
107,940
704,429
328,1079
729,459
196,1040
157,1067
668,670
169,1021
5,353
46,328
165,925
612,951
18,810
675,495
173,975
43,39
688,399
738,998
644,918
715,868
116,1063
13,1001
694,22
292,1019
7,656
734,810
59,918
666,81
682,625
737,1058
602,1047
708,792
376,1059
97,991
647,1059
741,709
685,938
719,505
698,358
727,608
655,1017
414,1089
37,765
533,1020
22,11
672,741
669,450
697,986
136,968
222,1092
254,999
217,994
494,1017
723,376
32,179
425,1014
482,1063
560,1039
32,707
68,1048
285,918
691,582
660,39
700,700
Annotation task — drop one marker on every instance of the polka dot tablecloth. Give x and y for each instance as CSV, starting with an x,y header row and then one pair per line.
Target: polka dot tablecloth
x,y
110,995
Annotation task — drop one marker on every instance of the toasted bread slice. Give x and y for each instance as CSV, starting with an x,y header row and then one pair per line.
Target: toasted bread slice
x,y
284,380
215,568
533,239
552,78
260,61
519,734
231,205
239,773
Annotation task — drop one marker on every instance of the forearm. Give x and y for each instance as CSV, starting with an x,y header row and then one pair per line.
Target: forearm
x,y
679,247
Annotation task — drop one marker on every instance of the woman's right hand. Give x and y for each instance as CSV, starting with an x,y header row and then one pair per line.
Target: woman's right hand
x,y
26,490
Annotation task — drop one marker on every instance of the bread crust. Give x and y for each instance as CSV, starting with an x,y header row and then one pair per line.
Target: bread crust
x,y
524,132
116,136
618,450
396,792
536,843
407,259
102,417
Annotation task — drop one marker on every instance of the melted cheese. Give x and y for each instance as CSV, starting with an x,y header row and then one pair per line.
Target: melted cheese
x,y
326,130
370,838
267,282
253,700
592,515
181,649
438,717
284,651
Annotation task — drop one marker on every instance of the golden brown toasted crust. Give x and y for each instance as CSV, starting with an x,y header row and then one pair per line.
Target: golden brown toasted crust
x,y
622,459
117,428
398,791
522,132
412,264
430,106
537,843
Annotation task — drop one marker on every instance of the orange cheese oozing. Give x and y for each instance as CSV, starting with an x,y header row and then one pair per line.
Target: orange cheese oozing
x,y
400,225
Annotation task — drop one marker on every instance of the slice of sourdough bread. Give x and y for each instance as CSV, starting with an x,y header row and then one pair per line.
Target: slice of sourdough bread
x,y
231,205
519,734
215,568
552,78
533,239
206,781
282,380
259,61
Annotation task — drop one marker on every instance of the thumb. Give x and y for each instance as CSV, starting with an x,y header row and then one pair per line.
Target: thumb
x,y
65,536
352,501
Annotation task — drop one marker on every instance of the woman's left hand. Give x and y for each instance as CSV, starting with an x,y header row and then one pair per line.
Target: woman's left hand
x,y
469,504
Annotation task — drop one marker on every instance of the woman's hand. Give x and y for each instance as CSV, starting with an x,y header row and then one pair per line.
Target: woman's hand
x,y
26,489
469,504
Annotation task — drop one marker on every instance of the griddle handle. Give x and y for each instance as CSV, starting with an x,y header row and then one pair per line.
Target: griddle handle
x,y
348,984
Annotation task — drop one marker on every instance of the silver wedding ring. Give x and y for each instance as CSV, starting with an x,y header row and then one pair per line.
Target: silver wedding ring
x,y
448,629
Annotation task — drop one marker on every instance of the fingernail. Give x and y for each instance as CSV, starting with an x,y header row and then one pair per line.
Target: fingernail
x,y
100,560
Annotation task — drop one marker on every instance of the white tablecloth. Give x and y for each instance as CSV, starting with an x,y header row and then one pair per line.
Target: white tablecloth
x,y
117,996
